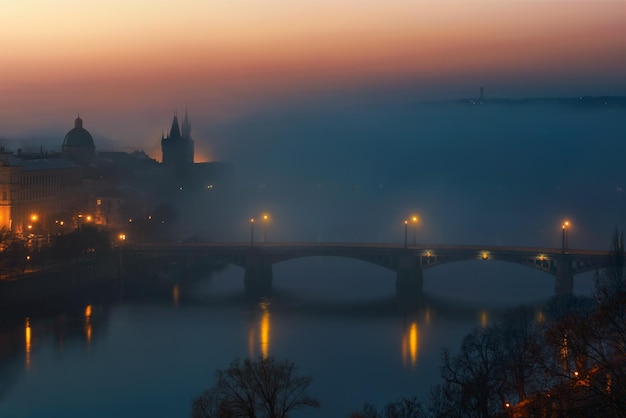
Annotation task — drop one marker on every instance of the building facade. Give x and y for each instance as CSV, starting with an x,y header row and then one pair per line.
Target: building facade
x,y
40,193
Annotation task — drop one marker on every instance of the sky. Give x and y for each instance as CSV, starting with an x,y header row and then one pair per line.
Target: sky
x,y
127,66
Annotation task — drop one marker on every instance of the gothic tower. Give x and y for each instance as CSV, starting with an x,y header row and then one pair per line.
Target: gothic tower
x,y
177,147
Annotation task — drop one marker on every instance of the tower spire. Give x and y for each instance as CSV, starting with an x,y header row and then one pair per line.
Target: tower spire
x,y
186,128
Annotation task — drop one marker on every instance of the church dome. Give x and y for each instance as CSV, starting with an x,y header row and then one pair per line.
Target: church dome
x,y
78,137
78,144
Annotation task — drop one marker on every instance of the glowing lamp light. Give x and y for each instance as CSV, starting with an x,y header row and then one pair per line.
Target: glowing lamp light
x,y
484,255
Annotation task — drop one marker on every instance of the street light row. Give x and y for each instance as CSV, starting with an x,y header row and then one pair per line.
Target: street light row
x,y
414,220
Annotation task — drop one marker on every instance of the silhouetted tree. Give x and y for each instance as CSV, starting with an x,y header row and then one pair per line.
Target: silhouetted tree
x,y
405,408
402,408
586,341
367,411
518,342
84,242
475,375
14,256
265,388
445,401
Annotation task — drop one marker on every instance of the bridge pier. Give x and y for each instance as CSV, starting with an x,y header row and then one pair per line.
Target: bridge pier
x,y
258,274
409,277
564,283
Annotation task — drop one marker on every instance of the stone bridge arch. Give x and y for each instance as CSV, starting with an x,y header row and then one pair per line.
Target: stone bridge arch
x,y
407,262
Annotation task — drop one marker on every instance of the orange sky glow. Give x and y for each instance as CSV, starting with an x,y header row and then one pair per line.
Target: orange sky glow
x,y
109,58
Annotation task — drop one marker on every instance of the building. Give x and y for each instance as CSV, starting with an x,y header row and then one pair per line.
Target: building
x,y
41,194
37,192
178,147
78,144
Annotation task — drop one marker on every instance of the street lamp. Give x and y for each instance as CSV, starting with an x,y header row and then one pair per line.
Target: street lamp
x,y
415,220
33,219
406,227
564,238
265,219
251,231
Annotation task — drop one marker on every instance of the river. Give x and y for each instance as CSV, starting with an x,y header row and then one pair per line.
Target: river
x,y
149,354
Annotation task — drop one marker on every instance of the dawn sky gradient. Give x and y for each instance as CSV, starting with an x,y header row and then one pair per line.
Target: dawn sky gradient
x,y
135,61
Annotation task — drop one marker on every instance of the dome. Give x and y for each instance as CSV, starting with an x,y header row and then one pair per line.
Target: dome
x,y
78,137
78,144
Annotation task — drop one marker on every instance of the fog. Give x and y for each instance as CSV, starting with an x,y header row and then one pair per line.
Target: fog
x,y
483,174
353,167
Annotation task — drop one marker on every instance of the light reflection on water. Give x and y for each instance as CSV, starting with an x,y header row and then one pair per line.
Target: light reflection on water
x,y
259,332
410,346
151,357
27,338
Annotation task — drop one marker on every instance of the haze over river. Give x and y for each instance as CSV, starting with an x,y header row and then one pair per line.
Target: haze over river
x,y
335,318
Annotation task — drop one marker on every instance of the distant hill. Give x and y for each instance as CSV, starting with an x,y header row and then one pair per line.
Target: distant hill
x,y
575,102
582,101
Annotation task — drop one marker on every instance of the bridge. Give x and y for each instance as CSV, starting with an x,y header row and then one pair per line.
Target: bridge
x,y
408,261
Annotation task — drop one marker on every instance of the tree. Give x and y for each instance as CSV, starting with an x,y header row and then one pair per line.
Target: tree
x,y
474,375
265,388
14,256
518,342
402,408
367,411
405,408
84,242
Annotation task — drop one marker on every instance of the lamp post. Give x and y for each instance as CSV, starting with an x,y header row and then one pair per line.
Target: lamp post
x,y
415,220
265,218
406,227
34,218
251,231
565,238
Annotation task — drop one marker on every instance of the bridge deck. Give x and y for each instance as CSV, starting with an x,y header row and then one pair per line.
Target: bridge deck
x,y
304,246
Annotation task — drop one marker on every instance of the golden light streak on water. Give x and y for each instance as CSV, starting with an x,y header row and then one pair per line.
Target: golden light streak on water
x,y
88,326
27,338
175,294
484,319
265,328
410,345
